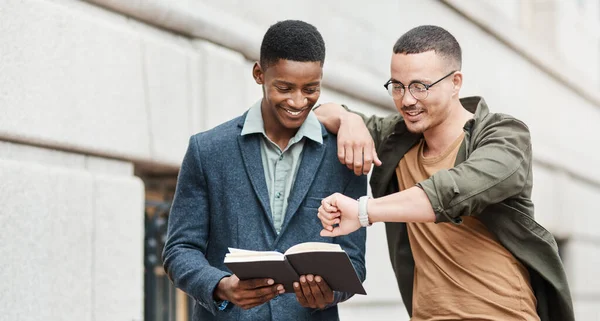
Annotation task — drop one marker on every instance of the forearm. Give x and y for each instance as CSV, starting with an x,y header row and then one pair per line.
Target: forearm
x,y
410,205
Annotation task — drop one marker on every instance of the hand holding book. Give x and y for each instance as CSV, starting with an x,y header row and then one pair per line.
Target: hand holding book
x,y
247,293
313,292
327,260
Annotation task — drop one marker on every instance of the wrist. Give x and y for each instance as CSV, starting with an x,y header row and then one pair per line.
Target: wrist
x,y
346,117
220,293
372,213
374,209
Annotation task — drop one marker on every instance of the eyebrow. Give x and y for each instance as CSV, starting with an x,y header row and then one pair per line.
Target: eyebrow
x,y
412,81
314,83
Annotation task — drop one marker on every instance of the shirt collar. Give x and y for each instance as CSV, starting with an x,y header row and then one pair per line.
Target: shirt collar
x,y
254,124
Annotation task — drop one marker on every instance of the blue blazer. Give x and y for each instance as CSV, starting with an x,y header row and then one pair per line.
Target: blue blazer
x,y
222,201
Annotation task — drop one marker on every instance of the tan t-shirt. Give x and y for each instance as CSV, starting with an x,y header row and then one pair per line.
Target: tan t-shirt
x,y
461,271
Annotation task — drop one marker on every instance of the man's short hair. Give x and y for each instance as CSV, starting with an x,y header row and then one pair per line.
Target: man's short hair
x,y
427,38
292,40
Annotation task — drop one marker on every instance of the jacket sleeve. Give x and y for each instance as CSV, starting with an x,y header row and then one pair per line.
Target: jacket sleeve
x,y
379,127
497,169
188,231
354,243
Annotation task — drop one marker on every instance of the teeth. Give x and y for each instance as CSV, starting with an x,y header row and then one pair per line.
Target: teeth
x,y
294,113
414,113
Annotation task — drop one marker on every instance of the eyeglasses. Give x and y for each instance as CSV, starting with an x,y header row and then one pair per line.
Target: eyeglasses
x,y
417,89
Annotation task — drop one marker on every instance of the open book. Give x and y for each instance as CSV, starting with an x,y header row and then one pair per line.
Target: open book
x,y
327,260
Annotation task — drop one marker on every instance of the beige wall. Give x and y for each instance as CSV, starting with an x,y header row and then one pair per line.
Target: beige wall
x,y
110,91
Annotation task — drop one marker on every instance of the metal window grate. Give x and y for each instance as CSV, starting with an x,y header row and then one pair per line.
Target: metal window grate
x,y
162,301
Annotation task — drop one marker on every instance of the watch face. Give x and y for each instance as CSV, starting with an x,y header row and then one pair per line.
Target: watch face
x,y
222,305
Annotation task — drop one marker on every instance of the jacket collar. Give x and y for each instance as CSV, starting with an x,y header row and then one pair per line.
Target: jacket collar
x,y
478,107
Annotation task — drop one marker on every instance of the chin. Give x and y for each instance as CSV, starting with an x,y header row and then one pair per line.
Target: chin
x,y
416,128
292,124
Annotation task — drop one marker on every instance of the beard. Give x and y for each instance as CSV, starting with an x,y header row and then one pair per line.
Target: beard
x,y
415,127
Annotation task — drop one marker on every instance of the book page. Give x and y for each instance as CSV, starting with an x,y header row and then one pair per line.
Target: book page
x,y
314,247
236,252
239,255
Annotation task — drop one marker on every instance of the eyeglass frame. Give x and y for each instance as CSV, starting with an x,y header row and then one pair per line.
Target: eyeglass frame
x,y
405,87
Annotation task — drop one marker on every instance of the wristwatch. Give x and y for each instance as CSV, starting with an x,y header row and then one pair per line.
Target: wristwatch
x,y
222,305
363,216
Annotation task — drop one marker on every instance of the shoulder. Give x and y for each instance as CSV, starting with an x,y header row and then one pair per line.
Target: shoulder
x,y
503,129
484,119
220,136
493,118
333,168
502,121
330,143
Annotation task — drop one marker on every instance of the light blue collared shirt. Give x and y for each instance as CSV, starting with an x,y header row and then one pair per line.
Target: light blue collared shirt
x,y
281,166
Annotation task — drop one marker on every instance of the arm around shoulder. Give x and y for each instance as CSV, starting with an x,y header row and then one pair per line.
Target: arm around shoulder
x,y
357,136
332,116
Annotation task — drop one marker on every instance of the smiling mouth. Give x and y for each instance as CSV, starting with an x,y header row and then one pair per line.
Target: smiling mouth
x,y
295,112
413,112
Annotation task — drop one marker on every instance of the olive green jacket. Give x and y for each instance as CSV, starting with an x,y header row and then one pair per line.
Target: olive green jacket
x,y
491,180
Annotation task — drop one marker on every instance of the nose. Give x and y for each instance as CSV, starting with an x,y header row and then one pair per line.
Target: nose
x,y
408,99
297,101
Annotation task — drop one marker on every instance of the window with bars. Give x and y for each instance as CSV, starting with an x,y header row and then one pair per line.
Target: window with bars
x,y
162,301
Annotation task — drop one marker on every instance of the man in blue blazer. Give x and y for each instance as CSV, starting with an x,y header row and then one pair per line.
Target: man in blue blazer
x,y
255,182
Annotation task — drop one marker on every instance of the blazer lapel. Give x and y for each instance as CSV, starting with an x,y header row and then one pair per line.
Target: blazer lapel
x,y
250,148
312,156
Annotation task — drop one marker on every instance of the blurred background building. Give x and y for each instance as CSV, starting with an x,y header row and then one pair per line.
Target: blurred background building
x,y
98,99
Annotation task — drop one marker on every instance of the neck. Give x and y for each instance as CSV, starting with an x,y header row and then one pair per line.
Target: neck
x,y
273,129
440,137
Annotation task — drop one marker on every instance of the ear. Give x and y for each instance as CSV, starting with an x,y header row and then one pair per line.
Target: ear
x,y
457,80
258,74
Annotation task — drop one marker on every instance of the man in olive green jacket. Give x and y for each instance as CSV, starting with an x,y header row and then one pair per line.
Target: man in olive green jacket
x,y
489,186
